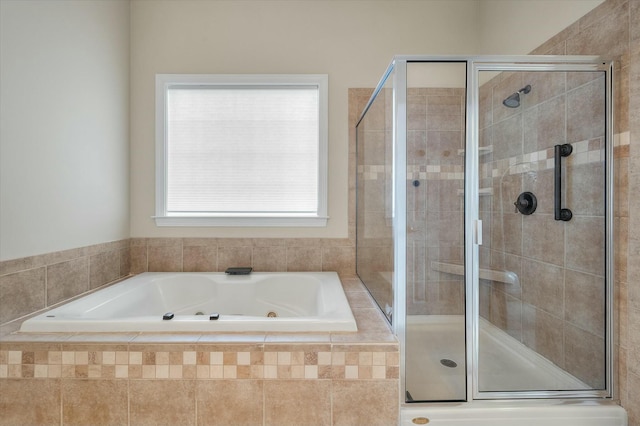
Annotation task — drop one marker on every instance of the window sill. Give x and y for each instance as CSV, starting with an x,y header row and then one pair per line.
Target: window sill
x,y
242,221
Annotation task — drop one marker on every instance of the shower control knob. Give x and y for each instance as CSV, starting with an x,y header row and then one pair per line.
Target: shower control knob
x,y
526,203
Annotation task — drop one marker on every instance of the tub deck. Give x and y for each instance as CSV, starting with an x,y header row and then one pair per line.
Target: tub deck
x,y
193,377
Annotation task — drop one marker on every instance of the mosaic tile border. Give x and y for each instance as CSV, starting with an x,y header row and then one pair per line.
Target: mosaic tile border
x,y
585,152
198,364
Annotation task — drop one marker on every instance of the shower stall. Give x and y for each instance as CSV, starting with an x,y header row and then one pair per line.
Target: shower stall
x,y
484,225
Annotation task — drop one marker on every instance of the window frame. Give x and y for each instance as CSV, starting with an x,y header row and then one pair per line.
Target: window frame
x,y
163,218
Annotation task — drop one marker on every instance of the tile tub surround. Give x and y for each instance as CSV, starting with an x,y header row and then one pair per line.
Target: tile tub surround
x,y
205,378
39,282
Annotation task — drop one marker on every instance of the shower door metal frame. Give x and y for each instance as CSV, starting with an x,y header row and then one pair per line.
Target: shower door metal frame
x,y
397,72
473,224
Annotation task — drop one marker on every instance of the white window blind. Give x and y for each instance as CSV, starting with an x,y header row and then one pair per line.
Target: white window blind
x,y
241,151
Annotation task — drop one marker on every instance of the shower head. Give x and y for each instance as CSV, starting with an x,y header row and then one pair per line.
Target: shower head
x,y
513,101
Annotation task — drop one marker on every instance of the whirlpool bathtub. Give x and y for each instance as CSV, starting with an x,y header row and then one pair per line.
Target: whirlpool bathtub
x,y
201,302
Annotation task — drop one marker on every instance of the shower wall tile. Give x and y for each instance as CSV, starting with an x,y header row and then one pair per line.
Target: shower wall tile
x,y
585,108
442,147
450,297
506,312
543,333
545,86
633,352
584,356
67,279
607,34
543,286
634,24
585,245
507,137
416,112
585,302
633,409
585,188
417,147
485,113
621,100
633,272
544,124
375,152
543,238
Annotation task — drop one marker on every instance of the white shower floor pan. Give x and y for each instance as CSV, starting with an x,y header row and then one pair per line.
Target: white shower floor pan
x,y
505,363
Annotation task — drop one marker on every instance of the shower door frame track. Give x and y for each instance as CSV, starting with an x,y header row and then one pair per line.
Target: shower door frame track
x,y
397,70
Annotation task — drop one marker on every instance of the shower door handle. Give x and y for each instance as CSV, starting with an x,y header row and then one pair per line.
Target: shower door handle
x,y
560,151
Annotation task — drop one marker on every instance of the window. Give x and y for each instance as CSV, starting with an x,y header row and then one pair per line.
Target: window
x,y
241,150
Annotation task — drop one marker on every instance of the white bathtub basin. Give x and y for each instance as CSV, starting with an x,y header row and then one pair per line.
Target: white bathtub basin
x,y
301,301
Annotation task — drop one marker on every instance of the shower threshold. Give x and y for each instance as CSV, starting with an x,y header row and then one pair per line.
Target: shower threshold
x,y
435,352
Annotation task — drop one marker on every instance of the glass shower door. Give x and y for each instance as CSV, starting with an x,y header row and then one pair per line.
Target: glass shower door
x,y
542,265
435,349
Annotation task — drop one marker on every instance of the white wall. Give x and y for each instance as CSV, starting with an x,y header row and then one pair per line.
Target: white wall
x,y
350,40
64,124
516,27
64,79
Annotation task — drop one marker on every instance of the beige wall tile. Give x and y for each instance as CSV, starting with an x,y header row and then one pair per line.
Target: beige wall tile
x,y
546,242
270,258
585,302
231,256
104,268
543,333
21,293
604,33
632,407
304,259
94,402
21,264
371,402
30,402
543,286
584,356
164,258
67,279
154,402
297,402
339,259
229,402
585,245
200,258
138,259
